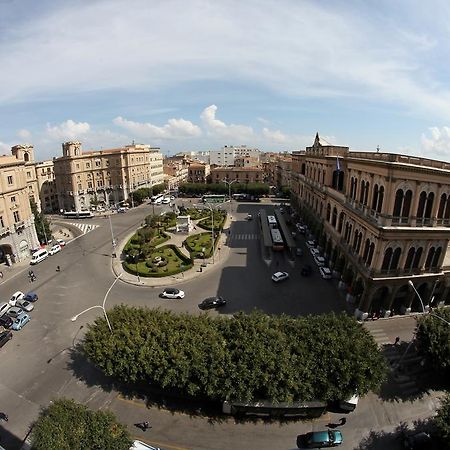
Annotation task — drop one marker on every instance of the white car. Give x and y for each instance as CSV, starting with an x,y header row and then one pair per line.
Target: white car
x,y
166,201
25,305
16,296
61,242
311,244
325,273
172,293
139,445
314,252
55,249
280,276
320,261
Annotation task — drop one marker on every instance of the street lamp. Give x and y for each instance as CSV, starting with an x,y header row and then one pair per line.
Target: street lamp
x,y
113,241
212,229
229,189
74,318
423,307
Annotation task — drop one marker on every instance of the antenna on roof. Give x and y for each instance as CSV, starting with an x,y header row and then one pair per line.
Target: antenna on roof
x,y
378,148
132,142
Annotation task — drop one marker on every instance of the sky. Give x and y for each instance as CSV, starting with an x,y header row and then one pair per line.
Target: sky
x,y
200,74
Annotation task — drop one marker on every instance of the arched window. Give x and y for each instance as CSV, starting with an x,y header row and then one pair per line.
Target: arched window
x,y
395,259
387,259
421,205
328,212
370,256
407,203
303,168
375,197
341,221
442,205
430,257
380,199
398,203
410,258
429,205
362,192
417,258
334,219
366,250
437,256
366,193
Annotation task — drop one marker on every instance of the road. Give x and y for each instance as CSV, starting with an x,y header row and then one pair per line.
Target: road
x,y
39,364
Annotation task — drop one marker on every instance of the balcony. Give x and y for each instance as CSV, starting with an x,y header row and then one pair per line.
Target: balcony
x,y
19,225
4,231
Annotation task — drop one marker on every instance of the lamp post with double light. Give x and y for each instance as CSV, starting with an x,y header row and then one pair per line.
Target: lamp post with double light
x,y
102,306
229,183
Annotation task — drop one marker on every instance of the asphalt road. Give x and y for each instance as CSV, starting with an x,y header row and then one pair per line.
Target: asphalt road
x,y
39,364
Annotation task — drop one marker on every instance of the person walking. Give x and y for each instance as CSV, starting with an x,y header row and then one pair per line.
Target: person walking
x,y
145,426
4,416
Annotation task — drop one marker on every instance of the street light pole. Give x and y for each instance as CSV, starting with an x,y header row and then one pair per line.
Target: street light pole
x,y
102,307
229,190
212,229
113,241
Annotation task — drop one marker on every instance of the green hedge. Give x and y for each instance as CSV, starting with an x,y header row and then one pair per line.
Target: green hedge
x,y
246,358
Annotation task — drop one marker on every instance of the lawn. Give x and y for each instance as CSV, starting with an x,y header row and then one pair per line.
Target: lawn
x,y
196,243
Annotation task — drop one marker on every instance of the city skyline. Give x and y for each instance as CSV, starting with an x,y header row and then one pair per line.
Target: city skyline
x,y
263,74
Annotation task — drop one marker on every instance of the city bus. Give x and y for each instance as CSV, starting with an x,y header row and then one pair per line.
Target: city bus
x,y
157,198
277,240
213,199
272,221
78,215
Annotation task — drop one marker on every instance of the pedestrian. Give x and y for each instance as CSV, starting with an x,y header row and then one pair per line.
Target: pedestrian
x,y
397,340
145,426
4,416
1,274
58,269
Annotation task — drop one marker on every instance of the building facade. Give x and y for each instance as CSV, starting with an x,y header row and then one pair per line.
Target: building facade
x,y
105,177
240,174
198,173
17,231
226,155
381,219
47,187
175,171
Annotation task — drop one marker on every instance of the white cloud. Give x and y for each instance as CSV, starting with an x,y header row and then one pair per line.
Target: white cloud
x,y
24,134
437,144
68,130
274,136
215,127
173,129
5,149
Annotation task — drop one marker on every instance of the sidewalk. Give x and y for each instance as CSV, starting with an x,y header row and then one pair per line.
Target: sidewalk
x,y
200,266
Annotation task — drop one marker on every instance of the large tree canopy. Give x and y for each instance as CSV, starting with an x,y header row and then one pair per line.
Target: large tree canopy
x,y
248,357
66,425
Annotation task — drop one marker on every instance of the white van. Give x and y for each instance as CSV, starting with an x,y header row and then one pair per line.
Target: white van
x,y
39,256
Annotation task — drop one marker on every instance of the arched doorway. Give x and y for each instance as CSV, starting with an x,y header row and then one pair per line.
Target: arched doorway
x,y
5,250
401,300
378,302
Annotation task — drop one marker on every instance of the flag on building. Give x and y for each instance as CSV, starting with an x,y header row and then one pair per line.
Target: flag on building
x,y
338,164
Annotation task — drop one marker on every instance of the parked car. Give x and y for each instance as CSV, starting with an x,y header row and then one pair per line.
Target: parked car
x,y
172,293
5,336
319,260
166,201
311,244
299,252
31,297
325,273
417,441
4,307
6,321
25,305
139,445
306,270
16,296
20,321
212,302
314,252
61,242
301,229
319,439
55,249
280,276
14,311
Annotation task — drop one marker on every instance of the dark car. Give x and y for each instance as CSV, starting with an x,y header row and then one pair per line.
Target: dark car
x,y
31,297
418,441
306,270
320,439
6,321
212,302
5,336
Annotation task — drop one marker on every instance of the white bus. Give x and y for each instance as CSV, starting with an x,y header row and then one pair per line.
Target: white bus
x,y
277,240
78,215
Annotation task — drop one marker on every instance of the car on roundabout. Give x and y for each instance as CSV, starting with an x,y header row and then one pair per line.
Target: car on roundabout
x,y
325,273
319,439
212,302
19,295
61,242
280,276
54,250
31,297
20,321
172,293
25,305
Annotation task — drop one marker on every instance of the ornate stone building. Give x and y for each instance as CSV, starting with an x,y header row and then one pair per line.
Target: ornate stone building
x,y
240,174
104,177
17,232
382,219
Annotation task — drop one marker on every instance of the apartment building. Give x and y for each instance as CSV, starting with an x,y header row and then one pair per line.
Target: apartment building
x,y
382,219
278,169
17,232
227,155
240,174
198,173
46,186
175,171
105,177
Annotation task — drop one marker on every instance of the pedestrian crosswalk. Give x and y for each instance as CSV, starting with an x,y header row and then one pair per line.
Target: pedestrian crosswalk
x,y
243,236
84,227
381,338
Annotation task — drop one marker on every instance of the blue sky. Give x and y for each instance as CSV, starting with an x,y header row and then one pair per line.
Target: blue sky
x,y
201,74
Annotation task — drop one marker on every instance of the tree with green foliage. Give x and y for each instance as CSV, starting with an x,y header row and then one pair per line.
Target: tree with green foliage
x,y
442,422
247,357
67,425
41,224
433,337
